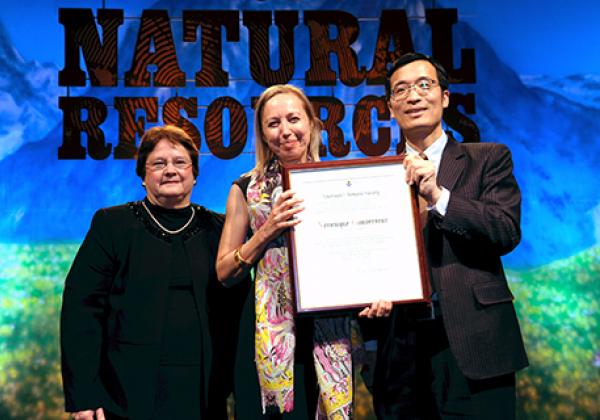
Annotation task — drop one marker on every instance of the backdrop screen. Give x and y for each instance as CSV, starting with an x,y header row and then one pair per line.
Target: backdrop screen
x,y
80,81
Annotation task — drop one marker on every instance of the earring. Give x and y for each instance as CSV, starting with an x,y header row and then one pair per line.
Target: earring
x,y
195,182
144,184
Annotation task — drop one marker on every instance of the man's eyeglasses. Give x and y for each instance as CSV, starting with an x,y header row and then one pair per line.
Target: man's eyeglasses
x,y
160,165
422,86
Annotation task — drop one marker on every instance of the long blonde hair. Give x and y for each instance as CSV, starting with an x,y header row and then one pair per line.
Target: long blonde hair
x,y
263,153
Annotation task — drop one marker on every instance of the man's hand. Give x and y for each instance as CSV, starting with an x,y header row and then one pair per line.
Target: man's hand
x,y
381,308
89,415
421,172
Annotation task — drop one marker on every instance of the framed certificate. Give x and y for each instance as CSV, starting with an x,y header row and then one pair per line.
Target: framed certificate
x,y
360,237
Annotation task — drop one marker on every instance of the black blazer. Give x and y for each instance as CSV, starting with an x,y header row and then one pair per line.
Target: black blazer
x,y
464,247
482,223
114,306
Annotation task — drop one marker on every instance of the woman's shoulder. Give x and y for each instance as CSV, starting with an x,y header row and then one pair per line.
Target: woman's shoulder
x,y
120,219
111,223
243,182
208,218
115,213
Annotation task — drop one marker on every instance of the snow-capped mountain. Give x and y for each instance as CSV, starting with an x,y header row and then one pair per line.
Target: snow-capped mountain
x,y
28,98
581,88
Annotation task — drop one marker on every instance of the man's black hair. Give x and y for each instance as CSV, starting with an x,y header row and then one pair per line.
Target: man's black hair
x,y
407,58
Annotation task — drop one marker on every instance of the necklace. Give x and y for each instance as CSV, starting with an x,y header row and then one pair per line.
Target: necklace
x,y
171,232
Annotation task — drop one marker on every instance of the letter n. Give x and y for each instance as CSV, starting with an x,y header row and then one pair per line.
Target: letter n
x,y
100,57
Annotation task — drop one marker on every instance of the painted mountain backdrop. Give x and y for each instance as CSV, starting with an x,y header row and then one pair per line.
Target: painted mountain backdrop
x,y
550,123
28,92
552,137
580,88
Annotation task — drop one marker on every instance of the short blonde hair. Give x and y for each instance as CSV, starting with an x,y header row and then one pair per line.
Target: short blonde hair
x,y
263,153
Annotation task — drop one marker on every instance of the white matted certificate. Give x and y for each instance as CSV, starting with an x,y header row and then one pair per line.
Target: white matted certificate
x,y
360,237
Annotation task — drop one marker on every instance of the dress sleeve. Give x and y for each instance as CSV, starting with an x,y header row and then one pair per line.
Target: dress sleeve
x,y
243,183
83,316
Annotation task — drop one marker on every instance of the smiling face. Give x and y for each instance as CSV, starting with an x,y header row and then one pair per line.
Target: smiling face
x,y
171,186
286,128
419,115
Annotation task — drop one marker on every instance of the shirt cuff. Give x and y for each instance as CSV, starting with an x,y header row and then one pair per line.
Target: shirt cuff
x,y
442,204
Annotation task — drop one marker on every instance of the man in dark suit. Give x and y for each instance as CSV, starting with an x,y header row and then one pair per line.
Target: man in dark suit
x,y
458,359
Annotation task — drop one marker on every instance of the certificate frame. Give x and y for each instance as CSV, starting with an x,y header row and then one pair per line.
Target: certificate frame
x,y
382,253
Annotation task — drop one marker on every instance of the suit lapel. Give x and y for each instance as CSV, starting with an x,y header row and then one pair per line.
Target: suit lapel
x,y
451,165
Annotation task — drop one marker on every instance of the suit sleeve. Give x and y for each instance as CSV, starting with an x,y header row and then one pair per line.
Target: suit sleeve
x,y
492,218
83,316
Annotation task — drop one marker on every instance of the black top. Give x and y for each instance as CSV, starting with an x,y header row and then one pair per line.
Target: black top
x,y
115,307
172,219
243,183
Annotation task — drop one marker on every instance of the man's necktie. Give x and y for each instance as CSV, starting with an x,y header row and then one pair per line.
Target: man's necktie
x,y
423,212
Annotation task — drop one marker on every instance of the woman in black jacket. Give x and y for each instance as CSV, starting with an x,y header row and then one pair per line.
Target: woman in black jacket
x,y
144,330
